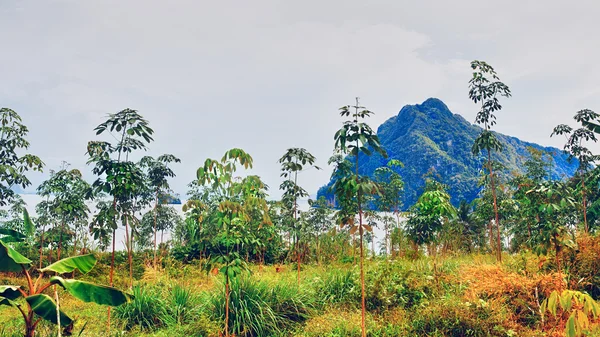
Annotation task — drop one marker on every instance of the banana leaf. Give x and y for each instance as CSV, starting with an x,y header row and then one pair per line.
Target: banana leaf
x,y
11,260
10,235
45,307
6,301
89,292
83,263
10,292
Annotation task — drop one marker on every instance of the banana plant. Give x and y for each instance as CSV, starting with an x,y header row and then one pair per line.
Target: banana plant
x,y
37,305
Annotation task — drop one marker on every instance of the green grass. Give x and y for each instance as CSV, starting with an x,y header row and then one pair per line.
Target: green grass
x,y
422,297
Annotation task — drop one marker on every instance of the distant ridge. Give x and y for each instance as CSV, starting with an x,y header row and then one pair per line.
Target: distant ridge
x,y
429,136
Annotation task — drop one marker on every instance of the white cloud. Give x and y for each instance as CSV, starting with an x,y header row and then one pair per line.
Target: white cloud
x,y
268,75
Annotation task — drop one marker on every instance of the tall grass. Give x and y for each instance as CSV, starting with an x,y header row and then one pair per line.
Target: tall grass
x,y
340,286
258,308
153,307
147,310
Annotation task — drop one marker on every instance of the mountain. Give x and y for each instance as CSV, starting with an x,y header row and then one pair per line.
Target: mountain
x,y
429,136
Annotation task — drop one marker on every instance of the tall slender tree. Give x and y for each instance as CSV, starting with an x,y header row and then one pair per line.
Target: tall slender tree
x,y
14,166
117,175
484,88
238,203
158,171
390,199
575,147
292,162
355,138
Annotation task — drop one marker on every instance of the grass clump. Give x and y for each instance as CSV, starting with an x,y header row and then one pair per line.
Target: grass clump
x,y
258,308
147,310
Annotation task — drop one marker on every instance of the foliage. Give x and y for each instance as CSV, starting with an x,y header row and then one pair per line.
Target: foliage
x,y
43,305
13,166
429,214
577,305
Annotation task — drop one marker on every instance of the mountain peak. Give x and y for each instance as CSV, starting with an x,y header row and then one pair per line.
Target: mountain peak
x,y
434,103
428,136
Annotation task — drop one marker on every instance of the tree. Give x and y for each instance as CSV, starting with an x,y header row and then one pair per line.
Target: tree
x,y
157,171
575,148
390,199
486,90
119,177
555,206
352,139
319,219
67,192
158,219
429,215
238,204
528,214
14,166
292,162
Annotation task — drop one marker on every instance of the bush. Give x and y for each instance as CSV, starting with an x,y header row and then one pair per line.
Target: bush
x,y
583,265
393,285
455,318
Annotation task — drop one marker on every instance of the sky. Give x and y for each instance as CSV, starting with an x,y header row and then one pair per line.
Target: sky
x,y
269,75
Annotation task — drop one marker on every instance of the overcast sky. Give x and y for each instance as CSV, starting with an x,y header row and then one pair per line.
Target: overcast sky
x,y
269,75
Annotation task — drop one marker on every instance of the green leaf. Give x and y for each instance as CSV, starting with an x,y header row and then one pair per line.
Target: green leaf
x,y
11,235
89,292
11,260
10,292
45,307
552,303
7,302
83,263
27,223
570,330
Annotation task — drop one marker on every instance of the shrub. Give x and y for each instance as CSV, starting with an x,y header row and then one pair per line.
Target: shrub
x,y
456,318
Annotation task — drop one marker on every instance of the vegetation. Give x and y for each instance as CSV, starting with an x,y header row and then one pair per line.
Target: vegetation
x,y
230,262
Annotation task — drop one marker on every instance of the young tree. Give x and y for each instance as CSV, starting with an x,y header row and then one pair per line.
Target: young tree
x,y
356,137
238,204
528,214
486,90
157,171
429,214
117,176
390,199
292,162
576,149
556,204
319,219
13,165
67,192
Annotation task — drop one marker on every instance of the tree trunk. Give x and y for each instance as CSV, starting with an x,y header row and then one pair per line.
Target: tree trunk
x,y
62,227
226,305
42,246
155,217
362,278
112,270
584,205
128,244
499,246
